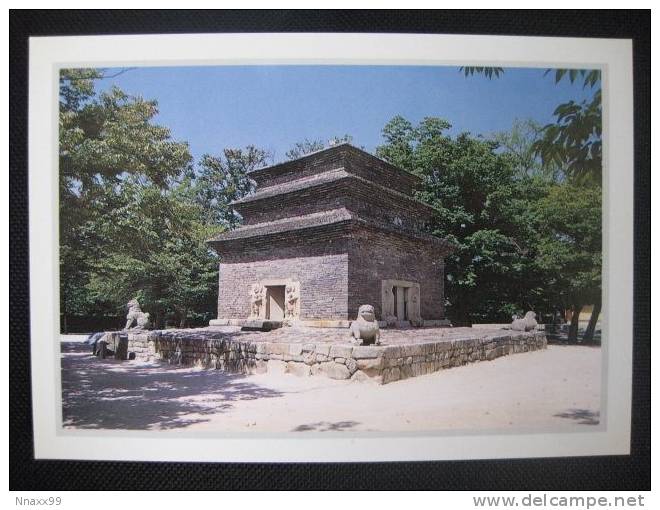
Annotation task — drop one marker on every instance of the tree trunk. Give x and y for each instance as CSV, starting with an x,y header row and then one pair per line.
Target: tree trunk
x,y
157,321
591,328
64,323
575,319
182,322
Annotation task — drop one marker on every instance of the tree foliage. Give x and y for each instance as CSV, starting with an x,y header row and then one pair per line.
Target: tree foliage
x,y
570,242
519,143
307,146
222,179
572,145
574,141
153,244
481,207
488,72
517,231
131,222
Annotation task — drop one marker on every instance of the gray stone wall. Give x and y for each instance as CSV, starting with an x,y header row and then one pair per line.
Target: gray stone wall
x,y
336,275
381,364
322,271
376,256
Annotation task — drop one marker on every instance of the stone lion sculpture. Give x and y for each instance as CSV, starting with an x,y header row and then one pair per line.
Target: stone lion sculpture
x,y
364,330
136,315
527,323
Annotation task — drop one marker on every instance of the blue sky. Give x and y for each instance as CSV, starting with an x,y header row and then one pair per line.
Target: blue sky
x,y
273,107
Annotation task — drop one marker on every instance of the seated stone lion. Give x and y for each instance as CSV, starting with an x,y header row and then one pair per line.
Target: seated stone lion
x,y
527,323
364,330
135,314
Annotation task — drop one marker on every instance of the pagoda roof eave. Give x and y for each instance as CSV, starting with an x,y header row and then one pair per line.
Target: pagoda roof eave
x,y
325,179
326,220
337,147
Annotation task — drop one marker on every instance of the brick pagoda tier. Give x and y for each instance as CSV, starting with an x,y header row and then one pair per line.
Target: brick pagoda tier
x,y
326,233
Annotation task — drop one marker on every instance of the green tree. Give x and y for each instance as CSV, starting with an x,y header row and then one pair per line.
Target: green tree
x,y
520,143
223,179
307,146
154,246
482,208
134,215
106,141
573,143
569,222
574,140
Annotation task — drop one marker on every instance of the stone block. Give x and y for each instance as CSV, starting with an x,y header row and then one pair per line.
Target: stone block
x,y
360,376
442,346
260,325
276,366
367,351
322,349
370,364
393,362
298,369
341,351
277,348
391,375
316,369
295,349
412,350
393,351
336,371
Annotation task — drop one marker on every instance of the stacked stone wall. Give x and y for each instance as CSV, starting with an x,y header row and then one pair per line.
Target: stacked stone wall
x,y
382,364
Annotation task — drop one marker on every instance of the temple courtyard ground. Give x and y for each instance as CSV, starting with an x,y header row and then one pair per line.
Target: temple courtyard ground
x,y
553,389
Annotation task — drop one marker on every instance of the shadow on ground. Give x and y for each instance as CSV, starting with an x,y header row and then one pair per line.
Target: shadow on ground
x,y
581,416
326,426
110,394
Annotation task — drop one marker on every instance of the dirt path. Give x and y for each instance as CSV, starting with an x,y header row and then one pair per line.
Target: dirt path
x,y
552,389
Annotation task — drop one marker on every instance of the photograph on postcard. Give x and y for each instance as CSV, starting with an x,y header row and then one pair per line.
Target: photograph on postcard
x,y
330,248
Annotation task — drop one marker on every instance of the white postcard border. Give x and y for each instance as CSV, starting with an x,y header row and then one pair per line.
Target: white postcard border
x,y
48,54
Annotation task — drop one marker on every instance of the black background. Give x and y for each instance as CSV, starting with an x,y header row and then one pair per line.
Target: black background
x,y
575,473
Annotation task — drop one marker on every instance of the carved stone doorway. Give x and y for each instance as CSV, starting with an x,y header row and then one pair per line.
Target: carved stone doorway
x,y
275,306
400,302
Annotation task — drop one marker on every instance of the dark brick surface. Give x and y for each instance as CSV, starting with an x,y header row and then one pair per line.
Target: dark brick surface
x,y
375,256
375,236
358,195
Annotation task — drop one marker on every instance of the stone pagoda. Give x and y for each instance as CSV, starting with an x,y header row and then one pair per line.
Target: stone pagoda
x,y
326,233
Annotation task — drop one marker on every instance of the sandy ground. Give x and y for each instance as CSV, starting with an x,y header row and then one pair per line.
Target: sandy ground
x,y
557,388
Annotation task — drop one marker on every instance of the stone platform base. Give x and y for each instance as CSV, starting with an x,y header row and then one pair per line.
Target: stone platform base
x,y
325,323
313,351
